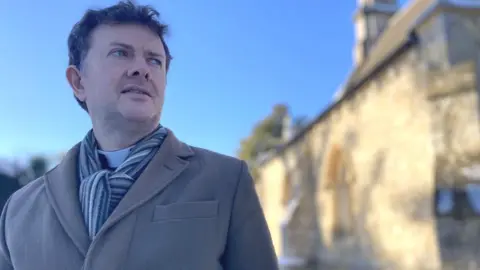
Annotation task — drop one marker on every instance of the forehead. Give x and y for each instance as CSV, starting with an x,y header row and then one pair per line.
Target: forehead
x,y
137,36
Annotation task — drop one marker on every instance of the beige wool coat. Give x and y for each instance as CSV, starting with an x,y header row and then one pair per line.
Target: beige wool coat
x,y
191,209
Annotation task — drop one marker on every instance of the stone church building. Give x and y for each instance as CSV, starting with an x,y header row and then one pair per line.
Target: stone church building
x,y
387,176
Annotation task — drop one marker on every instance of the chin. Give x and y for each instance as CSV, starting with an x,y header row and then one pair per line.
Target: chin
x,y
138,115
137,118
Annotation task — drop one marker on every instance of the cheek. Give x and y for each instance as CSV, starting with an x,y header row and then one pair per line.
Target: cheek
x,y
112,77
160,84
161,93
101,92
107,84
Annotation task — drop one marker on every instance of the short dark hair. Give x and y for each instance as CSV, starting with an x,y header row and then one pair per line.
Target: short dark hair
x,y
124,12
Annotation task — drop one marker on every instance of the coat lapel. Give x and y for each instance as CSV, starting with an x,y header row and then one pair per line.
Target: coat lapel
x,y
62,191
164,167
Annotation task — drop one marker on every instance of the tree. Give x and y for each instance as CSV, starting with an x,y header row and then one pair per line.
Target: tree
x,y
267,135
38,165
299,123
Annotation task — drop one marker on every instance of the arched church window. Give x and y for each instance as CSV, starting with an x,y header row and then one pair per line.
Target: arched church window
x,y
339,181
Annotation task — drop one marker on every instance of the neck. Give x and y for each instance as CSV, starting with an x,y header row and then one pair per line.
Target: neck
x,y
115,138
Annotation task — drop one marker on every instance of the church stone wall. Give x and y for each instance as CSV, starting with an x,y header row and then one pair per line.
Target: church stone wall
x,y
398,132
388,126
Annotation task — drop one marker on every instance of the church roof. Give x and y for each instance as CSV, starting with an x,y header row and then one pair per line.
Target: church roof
x,y
397,37
398,33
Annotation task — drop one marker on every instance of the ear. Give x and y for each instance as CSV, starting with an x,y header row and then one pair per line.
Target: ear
x,y
74,78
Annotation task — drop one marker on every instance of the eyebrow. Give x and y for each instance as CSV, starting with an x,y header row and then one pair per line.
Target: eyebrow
x,y
131,48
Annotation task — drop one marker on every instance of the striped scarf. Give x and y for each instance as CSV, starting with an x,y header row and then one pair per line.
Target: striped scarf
x,y
101,190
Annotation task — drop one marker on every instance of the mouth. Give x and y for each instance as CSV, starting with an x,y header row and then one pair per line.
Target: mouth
x,y
136,90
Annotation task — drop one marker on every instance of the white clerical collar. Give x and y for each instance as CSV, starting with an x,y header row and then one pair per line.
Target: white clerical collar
x,y
115,158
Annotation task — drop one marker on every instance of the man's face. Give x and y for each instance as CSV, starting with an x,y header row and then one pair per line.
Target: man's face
x,y
123,75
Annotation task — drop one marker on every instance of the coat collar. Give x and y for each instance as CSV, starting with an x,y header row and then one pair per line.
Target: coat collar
x,y
62,188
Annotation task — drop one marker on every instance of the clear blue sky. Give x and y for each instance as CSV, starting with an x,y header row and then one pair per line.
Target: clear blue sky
x,y
233,61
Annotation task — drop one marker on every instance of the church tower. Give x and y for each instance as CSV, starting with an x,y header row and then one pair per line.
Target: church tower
x,y
371,18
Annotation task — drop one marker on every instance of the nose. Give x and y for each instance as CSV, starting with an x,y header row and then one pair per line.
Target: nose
x,y
139,70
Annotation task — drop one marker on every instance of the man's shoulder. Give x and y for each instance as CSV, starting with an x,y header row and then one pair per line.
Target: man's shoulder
x,y
218,171
27,195
212,158
218,166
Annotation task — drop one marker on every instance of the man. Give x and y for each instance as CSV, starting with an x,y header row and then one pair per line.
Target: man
x,y
130,195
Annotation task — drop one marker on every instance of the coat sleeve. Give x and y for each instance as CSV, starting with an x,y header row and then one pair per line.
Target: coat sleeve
x,y
5,263
249,243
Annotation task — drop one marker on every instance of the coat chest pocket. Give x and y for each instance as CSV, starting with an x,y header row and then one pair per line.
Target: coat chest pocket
x,y
185,210
177,236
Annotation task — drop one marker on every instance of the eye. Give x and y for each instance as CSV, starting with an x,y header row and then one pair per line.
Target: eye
x,y
155,61
119,53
